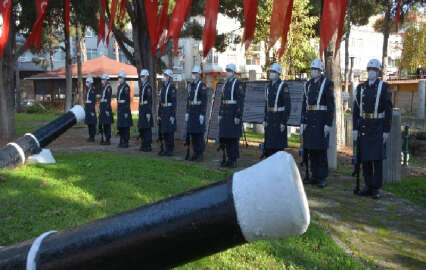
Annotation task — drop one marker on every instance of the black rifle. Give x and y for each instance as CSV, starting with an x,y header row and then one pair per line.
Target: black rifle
x,y
304,153
223,149
188,145
160,138
262,147
245,136
357,164
101,131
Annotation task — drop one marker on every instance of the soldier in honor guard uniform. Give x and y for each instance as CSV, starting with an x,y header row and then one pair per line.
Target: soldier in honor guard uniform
x,y
316,122
277,111
106,118
124,114
145,122
230,116
167,112
372,116
195,116
89,107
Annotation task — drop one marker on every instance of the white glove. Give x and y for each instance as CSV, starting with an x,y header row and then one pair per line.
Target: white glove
x,y
326,130
355,135
201,119
282,128
158,118
385,137
172,120
148,117
265,124
302,128
186,117
237,121
219,118
126,115
107,113
93,114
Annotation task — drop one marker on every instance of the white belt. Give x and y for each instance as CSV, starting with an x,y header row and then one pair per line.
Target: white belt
x,y
278,109
121,101
169,104
195,103
229,102
104,100
88,101
371,116
316,107
143,103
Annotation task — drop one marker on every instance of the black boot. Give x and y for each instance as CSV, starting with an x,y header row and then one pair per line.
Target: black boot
x,y
365,192
223,163
322,183
375,194
90,139
232,164
199,158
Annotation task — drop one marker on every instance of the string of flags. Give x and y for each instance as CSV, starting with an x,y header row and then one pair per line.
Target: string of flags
x,y
161,28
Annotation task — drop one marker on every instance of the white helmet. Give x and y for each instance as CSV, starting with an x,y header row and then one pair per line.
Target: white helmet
x,y
196,69
317,63
168,72
231,67
144,72
276,67
105,76
89,79
374,63
122,74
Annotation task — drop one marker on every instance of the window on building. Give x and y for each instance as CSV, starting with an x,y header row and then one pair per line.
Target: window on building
x,y
253,59
91,53
212,57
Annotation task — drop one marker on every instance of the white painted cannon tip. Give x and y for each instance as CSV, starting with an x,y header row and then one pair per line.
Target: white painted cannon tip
x,y
79,113
270,200
44,157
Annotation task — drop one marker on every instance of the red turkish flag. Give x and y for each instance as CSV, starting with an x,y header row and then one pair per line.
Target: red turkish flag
x,y
286,28
122,9
250,13
5,9
35,36
151,11
397,14
209,30
340,27
67,15
101,27
177,19
279,11
162,27
112,19
332,20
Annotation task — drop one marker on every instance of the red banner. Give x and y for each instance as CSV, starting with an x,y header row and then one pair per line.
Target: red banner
x,y
176,21
250,13
5,9
332,19
287,21
67,15
397,14
151,11
209,30
162,27
122,9
279,10
112,18
35,36
101,27
340,27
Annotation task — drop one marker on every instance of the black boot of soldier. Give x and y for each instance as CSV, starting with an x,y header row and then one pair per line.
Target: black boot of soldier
x,y
199,157
232,164
375,194
365,192
322,183
224,163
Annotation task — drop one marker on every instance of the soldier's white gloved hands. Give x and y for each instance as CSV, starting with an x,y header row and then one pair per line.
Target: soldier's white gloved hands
x,y
355,135
107,113
186,117
93,114
158,118
265,124
219,118
126,115
172,120
302,128
326,130
201,119
148,117
385,137
237,121
282,128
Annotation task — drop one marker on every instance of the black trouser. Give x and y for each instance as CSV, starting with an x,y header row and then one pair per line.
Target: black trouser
x,y
146,136
319,164
269,151
232,148
92,131
169,141
106,129
373,173
124,135
197,140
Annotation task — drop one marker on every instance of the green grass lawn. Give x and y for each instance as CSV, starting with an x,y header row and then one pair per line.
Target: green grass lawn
x,y
410,188
28,122
84,187
293,140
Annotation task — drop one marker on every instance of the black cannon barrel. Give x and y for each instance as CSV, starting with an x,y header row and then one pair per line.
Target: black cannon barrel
x,y
264,201
16,153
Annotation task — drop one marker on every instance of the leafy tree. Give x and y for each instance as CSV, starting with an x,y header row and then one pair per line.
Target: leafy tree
x,y
413,51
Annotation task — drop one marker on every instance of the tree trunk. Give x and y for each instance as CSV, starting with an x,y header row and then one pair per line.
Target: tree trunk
x,y
68,72
386,32
7,97
18,88
332,72
79,67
